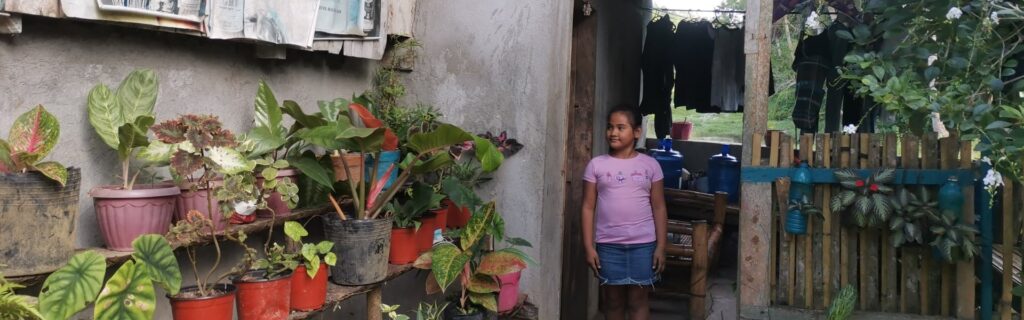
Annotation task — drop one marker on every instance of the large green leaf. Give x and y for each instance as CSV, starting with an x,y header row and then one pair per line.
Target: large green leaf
x,y
72,287
323,136
459,193
53,170
104,114
501,263
157,258
478,225
128,295
263,141
486,300
310,167
136,96
489,156
365,140
229,161
133,135
432,164
481,283
308,121
268,114
863,205
443,136
331,110
448,262
157,153
34,132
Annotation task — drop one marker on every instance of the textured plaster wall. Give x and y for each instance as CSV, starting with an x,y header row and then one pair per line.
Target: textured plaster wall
x,y
503,65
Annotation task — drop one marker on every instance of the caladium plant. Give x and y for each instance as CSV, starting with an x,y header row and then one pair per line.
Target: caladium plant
x,y
122,118
866,201
32,136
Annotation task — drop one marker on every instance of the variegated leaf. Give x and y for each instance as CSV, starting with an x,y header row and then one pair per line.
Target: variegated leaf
x,y
170,131
487,300
136,96
6,163
424,261
73,286
848,197
882,206
104,114
53,170
500,263
128,295
885,176
482,283
478,224
156,257
34,132
229,161
157,153
863,205
447,262
184,163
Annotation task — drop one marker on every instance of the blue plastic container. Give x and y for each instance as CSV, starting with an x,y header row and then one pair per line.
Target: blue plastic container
x,y
801,183
951,199
387,158
796,222
671,162
724,174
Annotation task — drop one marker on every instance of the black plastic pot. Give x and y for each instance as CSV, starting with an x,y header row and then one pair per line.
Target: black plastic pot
x,y
362,248
452,313
38,222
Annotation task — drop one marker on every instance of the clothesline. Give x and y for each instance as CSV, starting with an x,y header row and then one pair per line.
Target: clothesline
x,y
696,10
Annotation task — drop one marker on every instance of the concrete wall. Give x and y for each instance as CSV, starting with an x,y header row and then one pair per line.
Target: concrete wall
x,y
620,34
503,65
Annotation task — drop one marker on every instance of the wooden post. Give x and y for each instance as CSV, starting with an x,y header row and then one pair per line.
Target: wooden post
x,y
373,301
699,285
755,205
576,279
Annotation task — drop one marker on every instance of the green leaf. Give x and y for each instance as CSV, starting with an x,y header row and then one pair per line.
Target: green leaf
x,y
489,156
1018,291
444,136
128,295
996,84
157,153
324,247
885,176
998,124
863,205
897,239
136,96
481,283
268,114
432,164
104,114
331,110
263,141
34,132
330,259
73,286
295,231
862,32
500,263
479,223
882,206
448,262
269,174
292,109
486,300
519,242
459,193
133,135
310,167
845,35
312,265
53,170
157,258
847,197
229,161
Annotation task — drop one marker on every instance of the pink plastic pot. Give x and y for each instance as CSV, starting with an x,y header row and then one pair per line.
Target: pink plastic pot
x,y
124,215
508,297
279,206
197,200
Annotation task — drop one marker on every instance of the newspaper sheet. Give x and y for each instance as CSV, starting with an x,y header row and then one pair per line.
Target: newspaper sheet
x,y
278,22
100,10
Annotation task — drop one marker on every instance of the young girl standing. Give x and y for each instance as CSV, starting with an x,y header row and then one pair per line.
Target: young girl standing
x,y
624,219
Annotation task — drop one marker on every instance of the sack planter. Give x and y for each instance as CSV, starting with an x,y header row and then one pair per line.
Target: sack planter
x,y
309,293
217,307
124,215
274,201
264,299
362,247
37,233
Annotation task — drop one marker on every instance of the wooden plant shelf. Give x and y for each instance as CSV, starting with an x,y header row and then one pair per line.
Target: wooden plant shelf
x,y
336,293
262,224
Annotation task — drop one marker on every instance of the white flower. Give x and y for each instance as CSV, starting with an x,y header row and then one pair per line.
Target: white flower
x,y
992,179
994,17
850,129
814,24
931,85
245,207
986,160
938,126
954,13
932,59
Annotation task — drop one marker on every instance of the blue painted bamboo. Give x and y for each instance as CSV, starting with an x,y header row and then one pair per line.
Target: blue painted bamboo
x,y
827,176
982,199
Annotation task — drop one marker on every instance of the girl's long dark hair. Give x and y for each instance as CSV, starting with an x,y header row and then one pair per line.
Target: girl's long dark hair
x,y
631,112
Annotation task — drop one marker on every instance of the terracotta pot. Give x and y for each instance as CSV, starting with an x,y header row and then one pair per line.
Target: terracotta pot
x,y
280,207
264,299
309,293
124,215
404,247
355,163
458,216
425,234
197,200
37,234
442,218
218,307
508,297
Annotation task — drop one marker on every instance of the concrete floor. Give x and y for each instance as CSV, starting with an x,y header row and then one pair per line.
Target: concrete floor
x,y
669,301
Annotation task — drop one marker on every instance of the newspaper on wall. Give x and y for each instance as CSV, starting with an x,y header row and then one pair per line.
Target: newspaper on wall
x,y
176,14
273,21
46,8
188,10
341,17
226,19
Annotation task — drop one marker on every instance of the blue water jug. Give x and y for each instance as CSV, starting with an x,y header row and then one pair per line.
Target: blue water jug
x,y
951,199
671,162
724,174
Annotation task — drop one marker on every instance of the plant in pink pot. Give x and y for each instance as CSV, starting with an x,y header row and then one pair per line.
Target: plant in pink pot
x,y
122,118
269,143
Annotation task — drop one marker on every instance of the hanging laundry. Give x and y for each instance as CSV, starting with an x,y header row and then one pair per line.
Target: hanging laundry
x,y
727,70
783,7
656,65
693,57
812,64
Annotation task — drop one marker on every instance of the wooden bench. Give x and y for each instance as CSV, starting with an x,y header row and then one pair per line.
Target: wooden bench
x,y
698,251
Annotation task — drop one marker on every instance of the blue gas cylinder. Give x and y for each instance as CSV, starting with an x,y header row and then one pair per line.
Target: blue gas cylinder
x,y
671,162
724,174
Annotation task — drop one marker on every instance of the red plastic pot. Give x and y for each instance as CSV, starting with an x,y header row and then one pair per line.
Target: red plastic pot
x,y
508,297
198,200
309,293
425,234
279,206
404,246
442,218
458,216
124,215
681,130
264,299
218,307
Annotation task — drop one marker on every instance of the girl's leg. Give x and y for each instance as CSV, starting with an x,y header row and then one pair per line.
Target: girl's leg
x,y
639,309
614,302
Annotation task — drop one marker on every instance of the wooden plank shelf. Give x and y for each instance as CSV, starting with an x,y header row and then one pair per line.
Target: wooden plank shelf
x,y
337,293
693,205
262,224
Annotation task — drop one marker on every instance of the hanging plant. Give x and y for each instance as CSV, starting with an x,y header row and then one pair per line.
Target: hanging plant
x,y
952,240
865,201
912,212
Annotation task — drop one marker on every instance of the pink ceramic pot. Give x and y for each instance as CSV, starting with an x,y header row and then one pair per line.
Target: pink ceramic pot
x,y
124,215
279,207
508,297
196,199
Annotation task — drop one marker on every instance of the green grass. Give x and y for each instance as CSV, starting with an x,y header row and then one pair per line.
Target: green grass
x,y
728,127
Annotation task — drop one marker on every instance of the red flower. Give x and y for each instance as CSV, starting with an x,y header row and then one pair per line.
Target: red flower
x,y
874,187
859,183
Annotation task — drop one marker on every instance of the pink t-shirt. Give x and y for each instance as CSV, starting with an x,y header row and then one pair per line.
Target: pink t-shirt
x,y
624,213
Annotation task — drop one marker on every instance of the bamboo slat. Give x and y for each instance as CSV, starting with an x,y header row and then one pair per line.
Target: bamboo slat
x,y
785,158
910,299
1006,299
804,273
931,274
890,286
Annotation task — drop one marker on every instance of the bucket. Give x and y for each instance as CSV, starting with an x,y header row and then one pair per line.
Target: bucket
x,y
508,297
362,247
268,299
681,130
387,158
218,307
124,215
37,233
309,293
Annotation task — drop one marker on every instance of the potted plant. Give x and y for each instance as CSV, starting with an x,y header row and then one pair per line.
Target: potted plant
x,y
406,243
472,263
208,298
128,294
797,214
122,119
270,143
424,311
309,283
16,306
473,166
34,239
264,288
865,201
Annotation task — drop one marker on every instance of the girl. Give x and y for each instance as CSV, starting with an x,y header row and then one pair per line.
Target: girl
x,y
625,244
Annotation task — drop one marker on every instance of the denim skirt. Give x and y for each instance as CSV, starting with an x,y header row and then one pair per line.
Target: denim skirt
x,y
626,264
